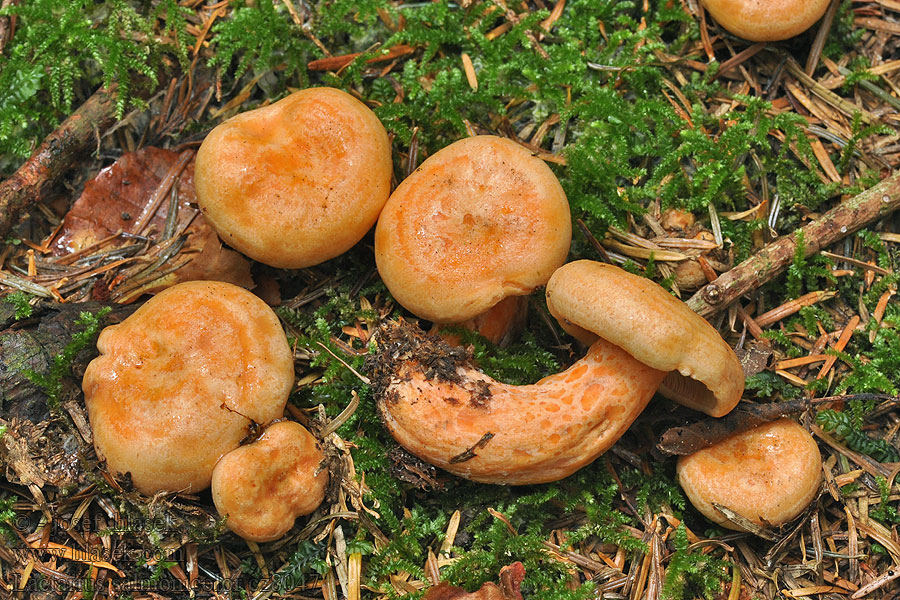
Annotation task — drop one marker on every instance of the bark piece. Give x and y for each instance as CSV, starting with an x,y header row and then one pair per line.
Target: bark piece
x,y
33,348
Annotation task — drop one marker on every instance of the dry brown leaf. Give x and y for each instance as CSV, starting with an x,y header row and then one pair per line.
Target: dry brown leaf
x,y
116,200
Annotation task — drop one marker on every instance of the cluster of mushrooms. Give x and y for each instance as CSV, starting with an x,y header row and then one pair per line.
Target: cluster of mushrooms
x,y
189,392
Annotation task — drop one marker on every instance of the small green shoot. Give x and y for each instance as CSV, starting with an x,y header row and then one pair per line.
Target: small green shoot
x,y
22,303
51,382
847,426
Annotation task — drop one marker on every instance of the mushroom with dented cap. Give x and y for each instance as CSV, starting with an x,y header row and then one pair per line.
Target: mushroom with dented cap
x,y
766,20
180,383
480,221
767,475
449,414
264,486
594,300
297,182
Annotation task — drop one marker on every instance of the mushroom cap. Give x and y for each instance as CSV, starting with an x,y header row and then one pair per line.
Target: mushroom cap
x,y
297,182
264,486
766,20
592,299
767,474
179,383
462,232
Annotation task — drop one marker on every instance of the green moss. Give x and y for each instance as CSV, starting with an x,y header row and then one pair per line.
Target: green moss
x,y
7,516
51,382
692,573
847,426
59,48
22,304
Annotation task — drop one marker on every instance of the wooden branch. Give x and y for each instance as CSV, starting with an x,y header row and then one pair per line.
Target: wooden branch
x,y
687,439
60,150
836,224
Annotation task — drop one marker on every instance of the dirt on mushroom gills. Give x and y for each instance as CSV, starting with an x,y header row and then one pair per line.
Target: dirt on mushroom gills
x,y
441,409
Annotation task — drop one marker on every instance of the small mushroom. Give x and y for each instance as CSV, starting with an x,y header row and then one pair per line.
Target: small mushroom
x,y
766,20
768,475
181,381
264,486
592,299
479,221
297,182
447,413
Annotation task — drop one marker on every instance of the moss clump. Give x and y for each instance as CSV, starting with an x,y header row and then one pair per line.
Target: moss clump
x,y
51,382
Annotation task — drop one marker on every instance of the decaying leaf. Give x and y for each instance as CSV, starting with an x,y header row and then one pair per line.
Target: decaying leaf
x,y
755,357
510,581
130,202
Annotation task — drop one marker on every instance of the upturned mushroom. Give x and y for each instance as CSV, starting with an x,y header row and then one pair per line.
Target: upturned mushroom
x,y
480,221
264,486
449,414
767,475
594,300
298,182
766,20
180,382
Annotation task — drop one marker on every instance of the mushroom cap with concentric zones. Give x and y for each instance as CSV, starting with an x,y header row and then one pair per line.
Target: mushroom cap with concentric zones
x,y
480,220
181,381
297,182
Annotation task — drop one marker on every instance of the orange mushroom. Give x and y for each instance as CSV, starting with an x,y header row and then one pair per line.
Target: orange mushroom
x,y
766,20
449,414
479,221
594,300
264,486
298,182
180,382
767,475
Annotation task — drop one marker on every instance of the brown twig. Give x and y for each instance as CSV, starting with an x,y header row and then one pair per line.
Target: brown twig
x,y
7,24
815,52
836,224
55,155
690,438
335,63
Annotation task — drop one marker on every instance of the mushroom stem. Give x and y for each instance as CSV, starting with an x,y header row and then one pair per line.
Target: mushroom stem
x,y
457,418
499,324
